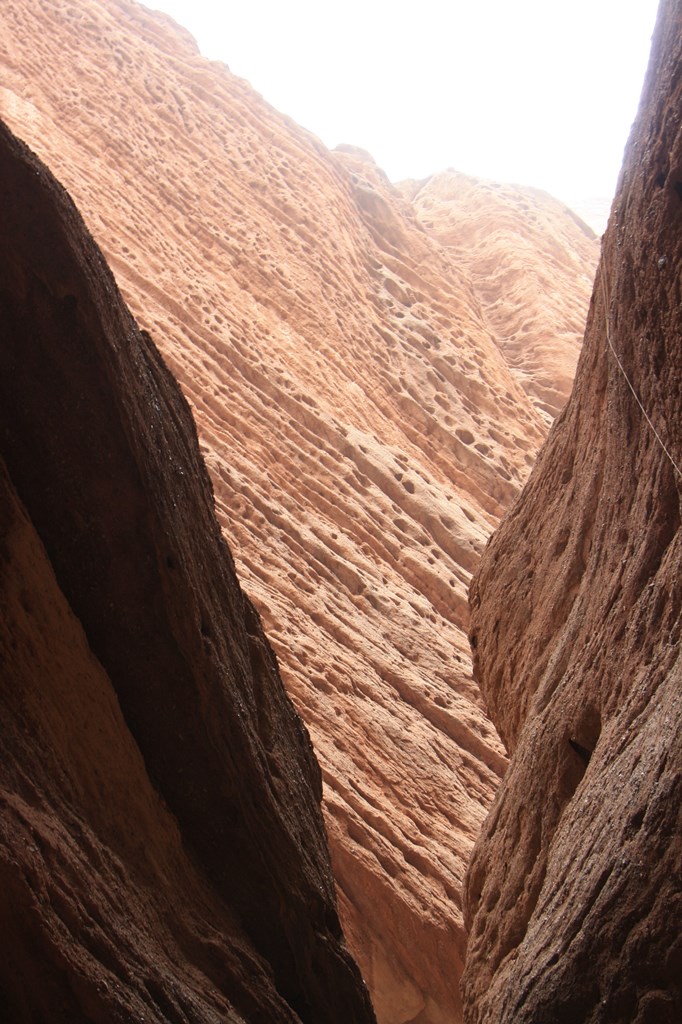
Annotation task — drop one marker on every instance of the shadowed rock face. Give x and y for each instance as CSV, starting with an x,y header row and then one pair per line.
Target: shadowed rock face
x,y
363,428
574,895
162,850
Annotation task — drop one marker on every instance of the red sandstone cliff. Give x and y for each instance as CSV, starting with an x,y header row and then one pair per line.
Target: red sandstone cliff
x,y
530,261
162,851
361,421
574,894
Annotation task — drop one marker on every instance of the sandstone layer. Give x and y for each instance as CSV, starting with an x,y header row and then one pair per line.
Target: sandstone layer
x,y
163,854
574,895
361,423
531,262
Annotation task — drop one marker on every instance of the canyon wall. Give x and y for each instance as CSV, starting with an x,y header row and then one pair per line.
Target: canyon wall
x,y
360,414
574,894
163,853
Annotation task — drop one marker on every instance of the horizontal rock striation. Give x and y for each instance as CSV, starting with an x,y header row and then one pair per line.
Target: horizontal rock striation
x,y
163,855
574,894
362,426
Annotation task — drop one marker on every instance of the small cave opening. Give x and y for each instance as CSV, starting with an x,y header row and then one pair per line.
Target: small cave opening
x,y
581,740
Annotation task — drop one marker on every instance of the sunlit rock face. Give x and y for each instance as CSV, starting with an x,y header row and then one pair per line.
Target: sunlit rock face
x,y
163,854
574,896
360,418
531,262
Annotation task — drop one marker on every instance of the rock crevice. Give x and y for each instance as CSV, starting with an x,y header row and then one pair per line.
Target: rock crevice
x,y
361,420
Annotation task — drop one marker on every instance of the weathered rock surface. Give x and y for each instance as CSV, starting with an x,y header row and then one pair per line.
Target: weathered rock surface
x,y
162,853
531,262
362,427
574,895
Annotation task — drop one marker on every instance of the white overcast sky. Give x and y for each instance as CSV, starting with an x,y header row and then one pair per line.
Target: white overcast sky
x,y
529,91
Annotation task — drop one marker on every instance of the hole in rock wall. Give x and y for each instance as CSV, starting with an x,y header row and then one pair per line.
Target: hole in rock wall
x,y
581,741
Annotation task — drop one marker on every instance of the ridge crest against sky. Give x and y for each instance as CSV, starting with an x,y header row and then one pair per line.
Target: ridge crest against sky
x,y
528,92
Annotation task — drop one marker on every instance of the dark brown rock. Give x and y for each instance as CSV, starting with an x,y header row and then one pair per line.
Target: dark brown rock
x,y
574,893
163,854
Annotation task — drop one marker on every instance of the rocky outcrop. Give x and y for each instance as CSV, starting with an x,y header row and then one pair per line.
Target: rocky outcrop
x,y
163,855
361,424
531,262
574,895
